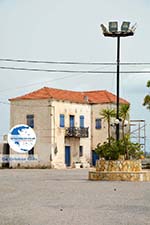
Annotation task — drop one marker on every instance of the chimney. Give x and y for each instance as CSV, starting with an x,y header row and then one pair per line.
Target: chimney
x,y
86,100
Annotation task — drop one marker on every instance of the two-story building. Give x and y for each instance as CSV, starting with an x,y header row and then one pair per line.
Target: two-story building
x,y
68,124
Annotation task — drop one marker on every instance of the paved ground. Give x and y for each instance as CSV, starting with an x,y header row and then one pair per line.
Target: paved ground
x,y
66,197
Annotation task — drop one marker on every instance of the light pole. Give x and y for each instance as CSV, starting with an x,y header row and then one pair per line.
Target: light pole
x,y
113,32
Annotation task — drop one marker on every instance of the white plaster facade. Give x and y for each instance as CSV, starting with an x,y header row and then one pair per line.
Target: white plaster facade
x,y
52,139
98,135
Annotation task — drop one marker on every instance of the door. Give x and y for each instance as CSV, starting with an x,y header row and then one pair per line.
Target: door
x,y
71,121
94,158
67,155
5,163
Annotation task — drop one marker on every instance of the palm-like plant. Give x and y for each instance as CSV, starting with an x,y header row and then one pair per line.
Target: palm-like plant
x,y
107,114
112,149
124,115
147,98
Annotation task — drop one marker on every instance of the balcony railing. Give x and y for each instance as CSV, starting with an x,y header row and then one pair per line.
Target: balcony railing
x,y
77,132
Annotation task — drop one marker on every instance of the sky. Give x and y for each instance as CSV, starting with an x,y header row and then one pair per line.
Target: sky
x,y
69,30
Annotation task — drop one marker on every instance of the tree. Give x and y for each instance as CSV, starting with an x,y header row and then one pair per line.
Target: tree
x,y
112,149
124,115
147,98
107,115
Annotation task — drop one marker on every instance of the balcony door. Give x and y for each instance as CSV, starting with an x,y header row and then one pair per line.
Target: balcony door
x,y
71,120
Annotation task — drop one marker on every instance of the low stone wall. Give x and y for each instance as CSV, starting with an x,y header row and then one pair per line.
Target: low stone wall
x,y
119,170
118,165
119,176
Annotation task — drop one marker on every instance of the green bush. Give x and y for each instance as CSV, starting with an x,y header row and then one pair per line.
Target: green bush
x,y
112,149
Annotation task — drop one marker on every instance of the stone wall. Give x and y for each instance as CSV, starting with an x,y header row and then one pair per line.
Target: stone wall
x,y
119,176
118,165
119,170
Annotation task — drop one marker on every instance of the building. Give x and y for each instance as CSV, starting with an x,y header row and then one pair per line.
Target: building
x,y
67,124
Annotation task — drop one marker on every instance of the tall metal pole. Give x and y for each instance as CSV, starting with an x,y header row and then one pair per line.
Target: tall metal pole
x,y
118,86
113,32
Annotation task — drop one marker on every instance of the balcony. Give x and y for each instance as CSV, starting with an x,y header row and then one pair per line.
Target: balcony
x,y
77,132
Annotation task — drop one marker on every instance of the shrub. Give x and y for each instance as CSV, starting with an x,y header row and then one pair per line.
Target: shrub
x,y
112,149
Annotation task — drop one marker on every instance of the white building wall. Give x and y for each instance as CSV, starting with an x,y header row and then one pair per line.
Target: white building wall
x,y
51,140
59,140
40,109
99,135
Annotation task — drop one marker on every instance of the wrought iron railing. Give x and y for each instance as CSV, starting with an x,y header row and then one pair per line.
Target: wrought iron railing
x,y
77,132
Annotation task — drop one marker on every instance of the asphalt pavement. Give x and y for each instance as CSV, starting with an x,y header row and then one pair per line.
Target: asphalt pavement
x,y
67,197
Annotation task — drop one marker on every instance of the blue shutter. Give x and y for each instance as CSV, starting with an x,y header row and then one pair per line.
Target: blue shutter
x,y
62,120
71,121
98,123
81,121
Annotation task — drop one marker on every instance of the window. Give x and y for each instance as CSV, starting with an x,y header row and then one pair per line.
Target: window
x,y
62,120
30,120
98,123
80,151
31,153
81,121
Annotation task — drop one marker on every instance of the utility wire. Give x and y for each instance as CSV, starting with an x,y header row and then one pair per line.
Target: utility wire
x,y
24,105
46,81
4,103
55,62
42,82
69,62
68,71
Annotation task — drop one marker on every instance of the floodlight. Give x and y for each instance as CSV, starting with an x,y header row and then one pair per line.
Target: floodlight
x,y
104,29
133,28
113,31
125,26
113,27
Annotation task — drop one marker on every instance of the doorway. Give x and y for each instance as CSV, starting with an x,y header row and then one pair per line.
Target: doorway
x,y
6,151
67,155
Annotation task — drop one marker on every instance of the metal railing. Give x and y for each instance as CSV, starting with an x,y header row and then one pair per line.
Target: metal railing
x,y
77,132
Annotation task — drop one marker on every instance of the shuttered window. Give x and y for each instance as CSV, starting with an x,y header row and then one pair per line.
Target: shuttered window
x,y
82,121
30,120
98,123
62,120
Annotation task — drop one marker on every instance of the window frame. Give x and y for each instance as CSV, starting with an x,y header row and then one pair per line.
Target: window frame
x,y
61,120
71,121
31,153
30,120
81,121
98,123
80,150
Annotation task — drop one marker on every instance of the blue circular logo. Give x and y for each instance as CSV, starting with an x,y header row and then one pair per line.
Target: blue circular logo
x,y
21,138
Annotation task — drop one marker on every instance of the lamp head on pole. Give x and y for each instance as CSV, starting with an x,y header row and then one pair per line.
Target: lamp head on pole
x,y
104,29
113,30
125,26
113,27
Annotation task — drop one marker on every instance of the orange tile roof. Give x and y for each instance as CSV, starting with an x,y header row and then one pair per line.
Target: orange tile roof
x,y
94,97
